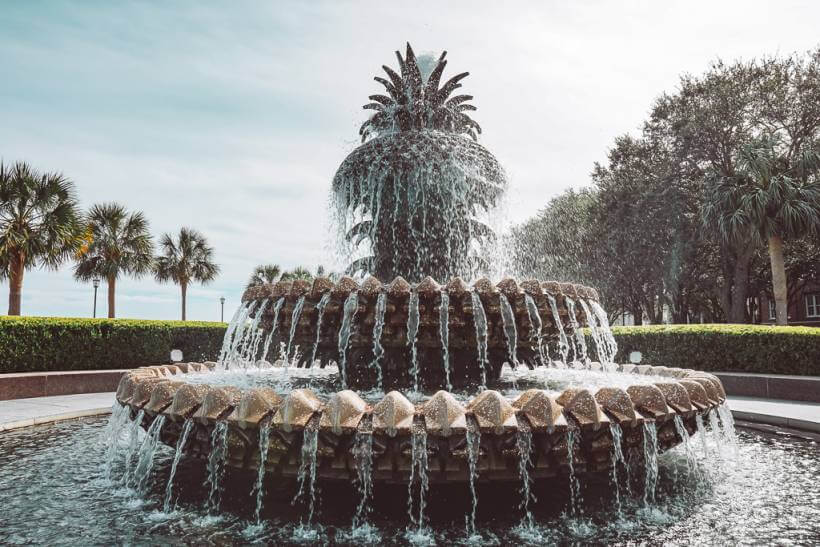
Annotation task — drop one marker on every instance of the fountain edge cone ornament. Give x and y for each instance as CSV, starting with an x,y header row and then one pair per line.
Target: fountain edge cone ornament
x,y
412,192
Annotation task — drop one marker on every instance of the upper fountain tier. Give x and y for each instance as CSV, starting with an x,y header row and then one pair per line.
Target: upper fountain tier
x,y
421,335
415,197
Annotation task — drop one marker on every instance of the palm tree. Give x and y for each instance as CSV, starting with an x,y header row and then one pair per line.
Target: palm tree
x,y
39,224
187,259
772,198
264,273
299,272
119,244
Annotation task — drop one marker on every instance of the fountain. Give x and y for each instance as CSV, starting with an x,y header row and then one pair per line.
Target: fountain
x,y
388,376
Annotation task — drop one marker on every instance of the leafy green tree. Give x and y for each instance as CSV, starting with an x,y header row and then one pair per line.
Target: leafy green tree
x,y
264,273
118,244
187,259
774,196
39,224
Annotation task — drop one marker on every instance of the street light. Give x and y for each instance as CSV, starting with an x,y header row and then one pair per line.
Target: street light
x,y
96,282
222,311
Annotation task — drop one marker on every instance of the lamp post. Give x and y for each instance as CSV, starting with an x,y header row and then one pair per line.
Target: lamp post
x,y
222,309
96,282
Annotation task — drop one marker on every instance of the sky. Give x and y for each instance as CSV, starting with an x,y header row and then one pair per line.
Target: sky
x,y
232,117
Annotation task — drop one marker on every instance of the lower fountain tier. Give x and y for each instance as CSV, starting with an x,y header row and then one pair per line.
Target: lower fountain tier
x,y
374,330
336,423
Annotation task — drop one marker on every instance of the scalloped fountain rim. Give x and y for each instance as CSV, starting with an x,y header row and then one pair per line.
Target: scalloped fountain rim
x,y
161,390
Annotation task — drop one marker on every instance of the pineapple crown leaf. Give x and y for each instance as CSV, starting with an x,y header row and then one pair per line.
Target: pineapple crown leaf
x,y
413,103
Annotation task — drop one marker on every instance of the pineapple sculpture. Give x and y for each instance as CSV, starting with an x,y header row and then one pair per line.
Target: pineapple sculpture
x,y
416,194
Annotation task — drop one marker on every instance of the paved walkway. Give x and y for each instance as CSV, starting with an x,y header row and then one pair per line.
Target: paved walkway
x,y
798,415
41,410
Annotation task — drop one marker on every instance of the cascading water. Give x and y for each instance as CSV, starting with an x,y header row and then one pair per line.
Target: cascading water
x,y
523,442
276,309
259,486
169,488
537,326
574,485
351,306
650,449
307,469
611,346
444,333
473,439
418,473
363,456
378,328
617,457
601,347
146,454
294,322
480,319
227,340
580,342
510,331
216,464
412,334
238,334
248,335
563,343
117,425
133,444
701,430
691,459
320,309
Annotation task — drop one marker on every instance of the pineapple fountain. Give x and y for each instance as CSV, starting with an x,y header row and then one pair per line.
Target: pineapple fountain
x,y
388,376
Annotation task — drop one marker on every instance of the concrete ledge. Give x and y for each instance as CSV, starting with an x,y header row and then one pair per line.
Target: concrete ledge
x,y
791,414
19,413
25,385
771,386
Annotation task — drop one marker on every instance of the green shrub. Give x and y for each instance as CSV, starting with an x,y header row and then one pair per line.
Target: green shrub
x,y
727,348
31,344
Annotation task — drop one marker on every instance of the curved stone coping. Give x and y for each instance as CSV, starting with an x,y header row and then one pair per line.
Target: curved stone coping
x,y
394,419
428,286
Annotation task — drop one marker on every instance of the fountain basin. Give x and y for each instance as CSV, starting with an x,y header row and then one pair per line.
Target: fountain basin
x,y
573,427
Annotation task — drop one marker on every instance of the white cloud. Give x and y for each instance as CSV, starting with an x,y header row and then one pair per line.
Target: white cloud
x,y
233,119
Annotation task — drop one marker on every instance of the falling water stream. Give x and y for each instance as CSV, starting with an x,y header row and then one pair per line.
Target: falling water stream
x,y
307,469
363,456
580,341
320,309
574,485
259,486
378,328
412,334
169,488
351,306
650,449
418,474
216,464
473,439
276,308
523,442
480,319
294,322
146,454
537,326
444,333
617,457
510,332
563,343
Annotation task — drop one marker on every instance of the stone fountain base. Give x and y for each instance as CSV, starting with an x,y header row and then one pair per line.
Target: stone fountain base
x,y
570,429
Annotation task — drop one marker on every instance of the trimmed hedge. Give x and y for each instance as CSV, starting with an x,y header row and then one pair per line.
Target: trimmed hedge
x,y
724,348
35,344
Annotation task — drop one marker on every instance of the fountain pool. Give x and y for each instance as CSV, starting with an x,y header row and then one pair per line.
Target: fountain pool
x,y
53,490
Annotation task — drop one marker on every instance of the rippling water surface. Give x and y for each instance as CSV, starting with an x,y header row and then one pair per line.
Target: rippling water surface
x,y
53,491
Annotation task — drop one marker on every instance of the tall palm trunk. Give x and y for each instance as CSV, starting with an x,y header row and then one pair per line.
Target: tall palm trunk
x,y
184,287
781,290
16,270
740,284
112,286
